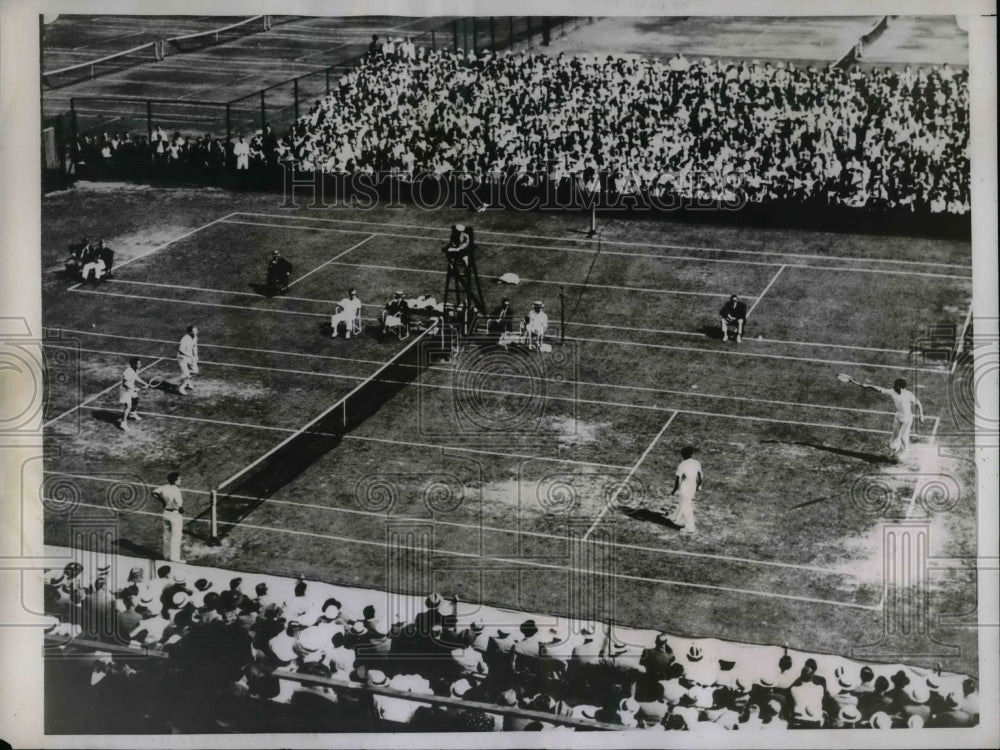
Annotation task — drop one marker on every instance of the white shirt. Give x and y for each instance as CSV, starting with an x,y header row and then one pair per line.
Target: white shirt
x,y
350,305
904,402
128,380
538,320
688,472
170,494
188,347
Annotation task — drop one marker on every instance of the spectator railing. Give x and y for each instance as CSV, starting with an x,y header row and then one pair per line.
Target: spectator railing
x,y
221,35
856,52
357,688
143,53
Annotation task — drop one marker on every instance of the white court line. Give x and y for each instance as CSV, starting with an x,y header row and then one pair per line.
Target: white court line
x,y
96,396
516,531
510,561
631,473
171,242
367,439
334,258
761,295
584,383
717,295
694,334
325,412
520,246
515,394
621,243
612,252
734,353
698,334
200,304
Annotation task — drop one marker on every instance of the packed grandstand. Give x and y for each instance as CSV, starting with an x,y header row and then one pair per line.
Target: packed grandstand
x,y
234,645
881,139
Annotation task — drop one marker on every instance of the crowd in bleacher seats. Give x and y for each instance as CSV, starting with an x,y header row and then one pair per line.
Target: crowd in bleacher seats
x,y
880,139
730,132
228,646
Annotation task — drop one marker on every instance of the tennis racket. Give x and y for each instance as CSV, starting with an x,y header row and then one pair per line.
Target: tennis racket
x,y
154,382
844,378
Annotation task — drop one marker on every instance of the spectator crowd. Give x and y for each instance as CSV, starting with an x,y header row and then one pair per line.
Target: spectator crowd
x,y
229,646
736,132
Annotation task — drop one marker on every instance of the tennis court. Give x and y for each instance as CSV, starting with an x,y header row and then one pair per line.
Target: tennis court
x,y
526,478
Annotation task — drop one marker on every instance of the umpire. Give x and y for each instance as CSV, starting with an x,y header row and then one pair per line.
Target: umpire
x,y
279,271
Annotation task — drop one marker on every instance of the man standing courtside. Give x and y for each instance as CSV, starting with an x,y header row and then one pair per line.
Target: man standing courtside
x,y
187,359
687,482
173,516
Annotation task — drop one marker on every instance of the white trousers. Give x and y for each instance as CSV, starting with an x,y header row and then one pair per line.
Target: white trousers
x,y
173,525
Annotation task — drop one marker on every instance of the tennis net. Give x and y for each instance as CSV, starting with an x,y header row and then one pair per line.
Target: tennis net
x,y
144,53
241,493
188,42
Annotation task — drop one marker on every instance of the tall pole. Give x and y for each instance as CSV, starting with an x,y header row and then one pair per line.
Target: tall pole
x,y
562,316
214,539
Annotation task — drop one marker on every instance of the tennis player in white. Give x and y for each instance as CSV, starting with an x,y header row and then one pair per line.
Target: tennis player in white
x,y
350,307
687,481
187,358
906,403
128,392
535,326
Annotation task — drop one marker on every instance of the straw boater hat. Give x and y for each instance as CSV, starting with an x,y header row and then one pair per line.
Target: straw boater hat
x,y
538,303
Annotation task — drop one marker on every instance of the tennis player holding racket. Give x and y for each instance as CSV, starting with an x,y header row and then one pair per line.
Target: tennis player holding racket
x,y
906,403
128,393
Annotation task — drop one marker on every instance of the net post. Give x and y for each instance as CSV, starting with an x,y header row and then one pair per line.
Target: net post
x,y
454,29
263,111
328,80
149,120
433,41
295,85
474,43
213,540
229,126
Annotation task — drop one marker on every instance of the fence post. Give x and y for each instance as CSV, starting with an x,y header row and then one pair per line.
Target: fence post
x,y
149,119
454,27
296,87
434,45
263,111
72,121
229,124
474,49
328,80
493,34
528,19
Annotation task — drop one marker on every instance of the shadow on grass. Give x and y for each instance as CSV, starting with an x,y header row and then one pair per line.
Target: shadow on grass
x,y
871,458
128,547
652,516
264,290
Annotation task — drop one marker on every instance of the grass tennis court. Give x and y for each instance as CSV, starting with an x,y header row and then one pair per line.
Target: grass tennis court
x,y
591,432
